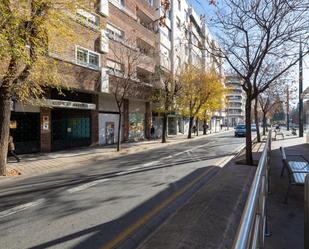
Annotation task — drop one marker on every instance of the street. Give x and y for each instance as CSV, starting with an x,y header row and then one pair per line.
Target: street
x,y
86,207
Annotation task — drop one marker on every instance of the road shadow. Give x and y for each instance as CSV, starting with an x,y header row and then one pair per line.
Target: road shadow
x,y
53,185
105,232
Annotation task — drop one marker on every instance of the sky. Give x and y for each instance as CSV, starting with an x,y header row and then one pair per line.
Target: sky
x,y
202,7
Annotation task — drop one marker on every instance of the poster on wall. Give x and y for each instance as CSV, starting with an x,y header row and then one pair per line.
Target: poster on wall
x,y
110,132
136,126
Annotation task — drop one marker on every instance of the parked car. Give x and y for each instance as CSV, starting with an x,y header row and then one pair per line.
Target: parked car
x,y
253,127
240,130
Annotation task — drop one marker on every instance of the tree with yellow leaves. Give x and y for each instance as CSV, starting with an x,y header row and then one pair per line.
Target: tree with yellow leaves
x,y
29,31
200,90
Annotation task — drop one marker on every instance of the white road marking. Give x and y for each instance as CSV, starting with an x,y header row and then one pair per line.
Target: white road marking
x,y
121,173
226,159
20,208
151,163
86,185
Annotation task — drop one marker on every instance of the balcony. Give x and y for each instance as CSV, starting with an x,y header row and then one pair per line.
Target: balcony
x,y
144,76
145,20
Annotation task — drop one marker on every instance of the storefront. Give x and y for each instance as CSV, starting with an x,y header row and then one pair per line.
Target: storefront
x,y
137,110
25,128
70,128
108,120
68,121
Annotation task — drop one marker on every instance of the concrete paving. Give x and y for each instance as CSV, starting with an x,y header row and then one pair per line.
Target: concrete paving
x,y
210,219
286,221
42,163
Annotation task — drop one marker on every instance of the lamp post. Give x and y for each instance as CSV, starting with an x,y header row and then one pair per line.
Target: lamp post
x,y
300,88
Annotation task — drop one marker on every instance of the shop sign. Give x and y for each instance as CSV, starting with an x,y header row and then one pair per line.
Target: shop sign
x,y
70,104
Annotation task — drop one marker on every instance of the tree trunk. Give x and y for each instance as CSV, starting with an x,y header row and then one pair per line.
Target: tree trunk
x,y
256,119
249,158
204,127
197,126
190,127
164,128
119,132
264,123
5,116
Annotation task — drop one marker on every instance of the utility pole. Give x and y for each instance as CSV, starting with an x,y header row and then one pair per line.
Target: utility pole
x,y
287,108
300,110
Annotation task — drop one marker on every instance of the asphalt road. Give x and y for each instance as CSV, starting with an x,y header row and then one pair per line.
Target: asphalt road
x,y
86,207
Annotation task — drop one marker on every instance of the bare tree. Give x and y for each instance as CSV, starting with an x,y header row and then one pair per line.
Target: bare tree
x,y
256,36
269,103
126,57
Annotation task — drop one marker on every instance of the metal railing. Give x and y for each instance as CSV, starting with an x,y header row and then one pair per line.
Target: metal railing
x,y
253,224
306,237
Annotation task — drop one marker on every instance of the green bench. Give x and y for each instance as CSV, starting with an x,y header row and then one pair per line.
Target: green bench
x,y
297,167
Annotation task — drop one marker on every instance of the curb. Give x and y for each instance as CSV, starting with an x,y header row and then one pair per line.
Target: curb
x,y
137,232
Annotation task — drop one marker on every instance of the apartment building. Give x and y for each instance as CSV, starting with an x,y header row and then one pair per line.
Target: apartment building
x,y
130,25
182,41
70,119
235,107
85,113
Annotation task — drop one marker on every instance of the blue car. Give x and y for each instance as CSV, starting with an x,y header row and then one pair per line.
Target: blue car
x,y
240,130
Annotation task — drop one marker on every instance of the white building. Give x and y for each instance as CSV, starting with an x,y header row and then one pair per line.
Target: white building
x,y
235,108
182,41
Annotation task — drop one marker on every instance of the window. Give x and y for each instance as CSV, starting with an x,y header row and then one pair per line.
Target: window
x,y
178,62
119,2
150,2
87,58
114,66
187,15
88,17
114,33
178,24
179,5
186,50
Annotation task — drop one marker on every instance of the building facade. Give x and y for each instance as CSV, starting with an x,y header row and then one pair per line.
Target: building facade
x,y
68,119
85,112
235,101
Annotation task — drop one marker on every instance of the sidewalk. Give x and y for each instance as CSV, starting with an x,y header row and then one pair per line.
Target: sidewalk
x,y
42,163
286,221
211,217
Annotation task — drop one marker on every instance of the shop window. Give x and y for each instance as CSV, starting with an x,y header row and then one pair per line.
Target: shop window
x,y
87,58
